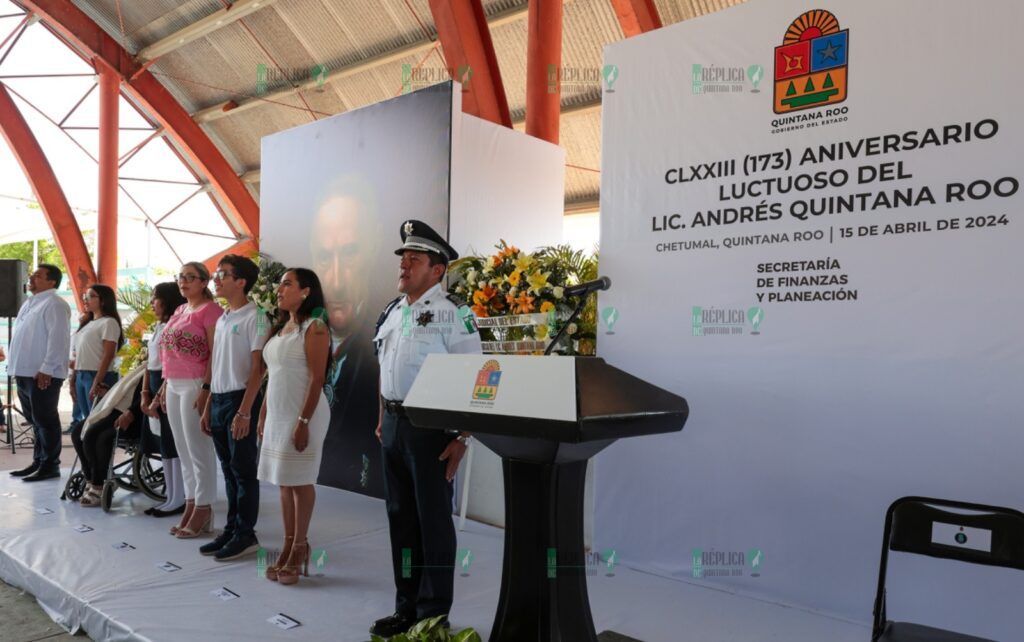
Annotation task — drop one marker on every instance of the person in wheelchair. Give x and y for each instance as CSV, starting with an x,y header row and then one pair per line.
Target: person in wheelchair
x,y
117,414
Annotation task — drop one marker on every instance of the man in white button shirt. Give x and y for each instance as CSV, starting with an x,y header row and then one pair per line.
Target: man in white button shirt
x,y
236,375
38,360
419,464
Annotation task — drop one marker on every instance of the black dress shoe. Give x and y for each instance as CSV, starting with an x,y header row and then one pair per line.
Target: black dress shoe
x,y
392,625
25,471
237,547
41,475
167,513
218,543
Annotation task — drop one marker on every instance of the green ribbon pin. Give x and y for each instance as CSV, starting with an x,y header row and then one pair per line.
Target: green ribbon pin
x,y
406,322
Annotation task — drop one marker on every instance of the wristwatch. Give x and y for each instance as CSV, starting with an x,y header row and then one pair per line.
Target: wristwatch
x,y
464,439
304,420
206,387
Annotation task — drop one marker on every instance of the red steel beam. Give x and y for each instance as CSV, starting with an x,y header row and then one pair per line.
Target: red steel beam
x,y
78,29
245,247
636,16
466,40
49,194
106,229
543,69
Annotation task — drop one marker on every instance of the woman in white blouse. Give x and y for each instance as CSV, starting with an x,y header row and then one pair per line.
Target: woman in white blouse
x,y
95,344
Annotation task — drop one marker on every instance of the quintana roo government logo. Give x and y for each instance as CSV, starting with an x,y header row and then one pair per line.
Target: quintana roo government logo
x,y
811,65
487,380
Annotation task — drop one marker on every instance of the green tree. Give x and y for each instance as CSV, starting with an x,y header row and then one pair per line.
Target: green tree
x,y
48,253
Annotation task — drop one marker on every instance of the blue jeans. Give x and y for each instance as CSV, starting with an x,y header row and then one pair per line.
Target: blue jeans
x,y
237,461
83,384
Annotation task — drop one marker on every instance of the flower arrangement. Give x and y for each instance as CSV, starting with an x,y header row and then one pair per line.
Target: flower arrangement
x,y
135,295
264,293
513,282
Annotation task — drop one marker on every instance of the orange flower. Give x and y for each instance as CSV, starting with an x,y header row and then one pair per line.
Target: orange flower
x,y
547,306
479,310
507,252
483,295
523,304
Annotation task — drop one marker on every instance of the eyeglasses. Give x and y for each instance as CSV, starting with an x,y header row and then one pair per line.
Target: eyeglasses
x,y
188,277
86,296
221,274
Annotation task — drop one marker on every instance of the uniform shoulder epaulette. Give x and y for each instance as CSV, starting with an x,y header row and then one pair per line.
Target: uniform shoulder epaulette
x,y
380,321
384,315
456,300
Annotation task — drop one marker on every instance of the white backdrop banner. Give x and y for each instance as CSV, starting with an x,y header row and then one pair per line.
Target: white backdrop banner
x,y
812,220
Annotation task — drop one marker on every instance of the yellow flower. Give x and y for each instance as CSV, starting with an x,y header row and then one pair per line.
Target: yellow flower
x,y
514,278
541,332
524,262
547,306
538,281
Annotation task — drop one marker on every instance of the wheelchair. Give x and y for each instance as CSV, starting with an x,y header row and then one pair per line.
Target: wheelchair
x,y
139,470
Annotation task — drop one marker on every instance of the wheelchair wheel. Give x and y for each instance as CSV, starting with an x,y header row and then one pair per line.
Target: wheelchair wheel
x,y
75,487
124,474
107,496
147,478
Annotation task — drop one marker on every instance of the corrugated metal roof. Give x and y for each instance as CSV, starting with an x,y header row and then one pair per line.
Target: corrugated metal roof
x,y
290,37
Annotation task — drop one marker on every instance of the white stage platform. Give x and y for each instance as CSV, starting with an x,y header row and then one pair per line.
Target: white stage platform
x,y
85,583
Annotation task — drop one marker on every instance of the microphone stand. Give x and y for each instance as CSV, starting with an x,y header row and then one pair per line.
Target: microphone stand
x,y
561,332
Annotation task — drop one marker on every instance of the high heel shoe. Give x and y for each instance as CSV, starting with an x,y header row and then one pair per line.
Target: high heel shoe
x,y
286,551
289,573
190,507
190,531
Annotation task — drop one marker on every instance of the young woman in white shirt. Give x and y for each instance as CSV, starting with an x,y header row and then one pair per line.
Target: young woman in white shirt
x,y
95,344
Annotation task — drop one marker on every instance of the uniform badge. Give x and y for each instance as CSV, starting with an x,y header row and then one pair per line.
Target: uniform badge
x,y
407,227
423,319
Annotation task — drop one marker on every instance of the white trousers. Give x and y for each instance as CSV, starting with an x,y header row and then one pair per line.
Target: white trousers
x,y
198,457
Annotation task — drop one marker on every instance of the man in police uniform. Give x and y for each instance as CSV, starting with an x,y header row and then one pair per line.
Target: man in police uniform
x,y
419,464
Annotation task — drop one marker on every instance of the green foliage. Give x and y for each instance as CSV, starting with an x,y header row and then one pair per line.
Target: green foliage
x,y
431,630
579,267
48,253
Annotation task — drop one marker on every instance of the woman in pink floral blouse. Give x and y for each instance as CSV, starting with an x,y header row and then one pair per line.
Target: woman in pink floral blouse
x,y
185,348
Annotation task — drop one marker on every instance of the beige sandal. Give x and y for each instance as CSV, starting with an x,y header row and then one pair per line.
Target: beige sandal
x,y
274,569
91,497
289,573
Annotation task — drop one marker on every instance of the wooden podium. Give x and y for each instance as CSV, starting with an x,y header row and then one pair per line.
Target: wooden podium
x,y
546,417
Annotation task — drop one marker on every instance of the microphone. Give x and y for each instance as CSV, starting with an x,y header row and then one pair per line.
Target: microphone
x,y
583,289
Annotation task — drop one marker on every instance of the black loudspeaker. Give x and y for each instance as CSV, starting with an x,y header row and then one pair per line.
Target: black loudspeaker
x,y
13,286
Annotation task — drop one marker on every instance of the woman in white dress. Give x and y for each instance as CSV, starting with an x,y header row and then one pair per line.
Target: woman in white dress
x,y
295,414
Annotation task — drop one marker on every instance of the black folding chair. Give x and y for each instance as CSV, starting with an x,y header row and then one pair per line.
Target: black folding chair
x,y
987,535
